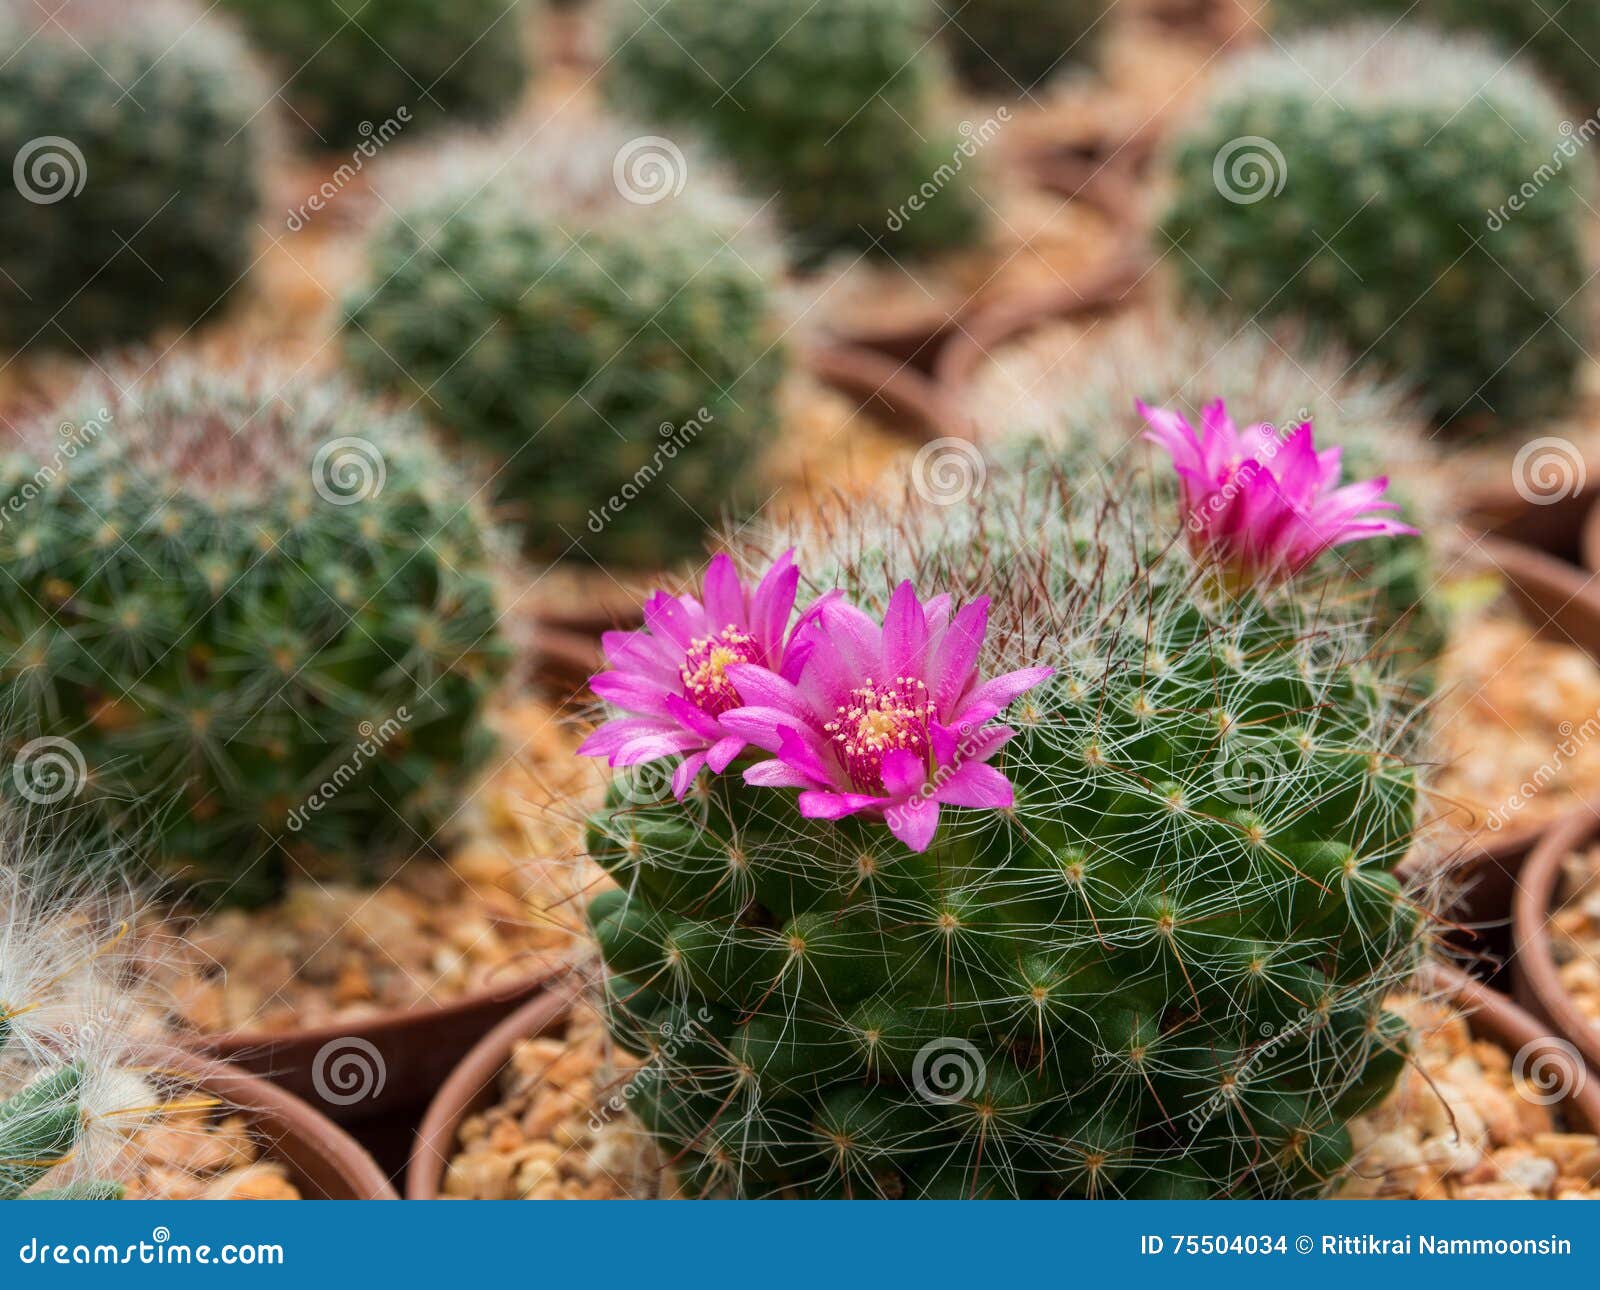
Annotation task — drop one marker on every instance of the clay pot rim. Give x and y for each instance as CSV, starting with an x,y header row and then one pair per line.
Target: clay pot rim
x,y
1589,540
471,1083
277,1116
1533,960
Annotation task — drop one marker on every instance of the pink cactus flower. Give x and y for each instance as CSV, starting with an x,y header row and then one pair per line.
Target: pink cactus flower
x,y
891,721
672,677
1265,506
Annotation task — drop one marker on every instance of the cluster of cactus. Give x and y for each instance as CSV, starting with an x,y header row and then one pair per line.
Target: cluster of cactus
x,y
1433,223
349,65
1159,972
264,606
136,146
1560,39
1012,46
596,316
1081,409
829,108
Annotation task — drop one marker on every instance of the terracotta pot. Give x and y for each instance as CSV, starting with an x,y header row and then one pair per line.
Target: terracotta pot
x,y
1558,526
1535,981
324,1162
475,1085
1590,538
371,1068
1497,1019
900,394
1106,171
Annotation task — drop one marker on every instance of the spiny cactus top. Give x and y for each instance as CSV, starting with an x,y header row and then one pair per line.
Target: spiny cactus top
x,y
349,65
594,311
136,133
1134,941
1013,46
830,107
260,607
1433,222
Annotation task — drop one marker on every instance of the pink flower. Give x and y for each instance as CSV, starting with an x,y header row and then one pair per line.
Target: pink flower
x,y
890,720
672,677
1264,506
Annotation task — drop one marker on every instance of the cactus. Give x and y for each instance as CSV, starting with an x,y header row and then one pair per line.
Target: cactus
x,y
1012,46
347,65
137,152
1559,38
1081,408
828,107
612,348
261,603
1135,942
1430,222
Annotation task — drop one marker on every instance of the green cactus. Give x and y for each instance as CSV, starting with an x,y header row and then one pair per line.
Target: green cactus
x,y
263,604
137,150
1559,38
349,65
1012,46
1082,408
1160,973
1433,223
611,346
830,107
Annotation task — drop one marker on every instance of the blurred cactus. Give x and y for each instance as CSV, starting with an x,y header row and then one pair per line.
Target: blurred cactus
x,y
595,313
1012,46
829,107
138,145
348,65
263,604
1394,213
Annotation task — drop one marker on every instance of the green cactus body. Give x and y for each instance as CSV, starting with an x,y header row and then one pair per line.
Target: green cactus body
x,y
1012,46
1433,223
829,107
264,608
1159,973
137,155
349,65
613,352
1559,39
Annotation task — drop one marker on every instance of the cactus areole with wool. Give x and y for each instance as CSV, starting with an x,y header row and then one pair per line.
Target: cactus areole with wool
x,y
1021,864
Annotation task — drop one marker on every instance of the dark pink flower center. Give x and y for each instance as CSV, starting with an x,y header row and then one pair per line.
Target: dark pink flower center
x,y
879,718
704,670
